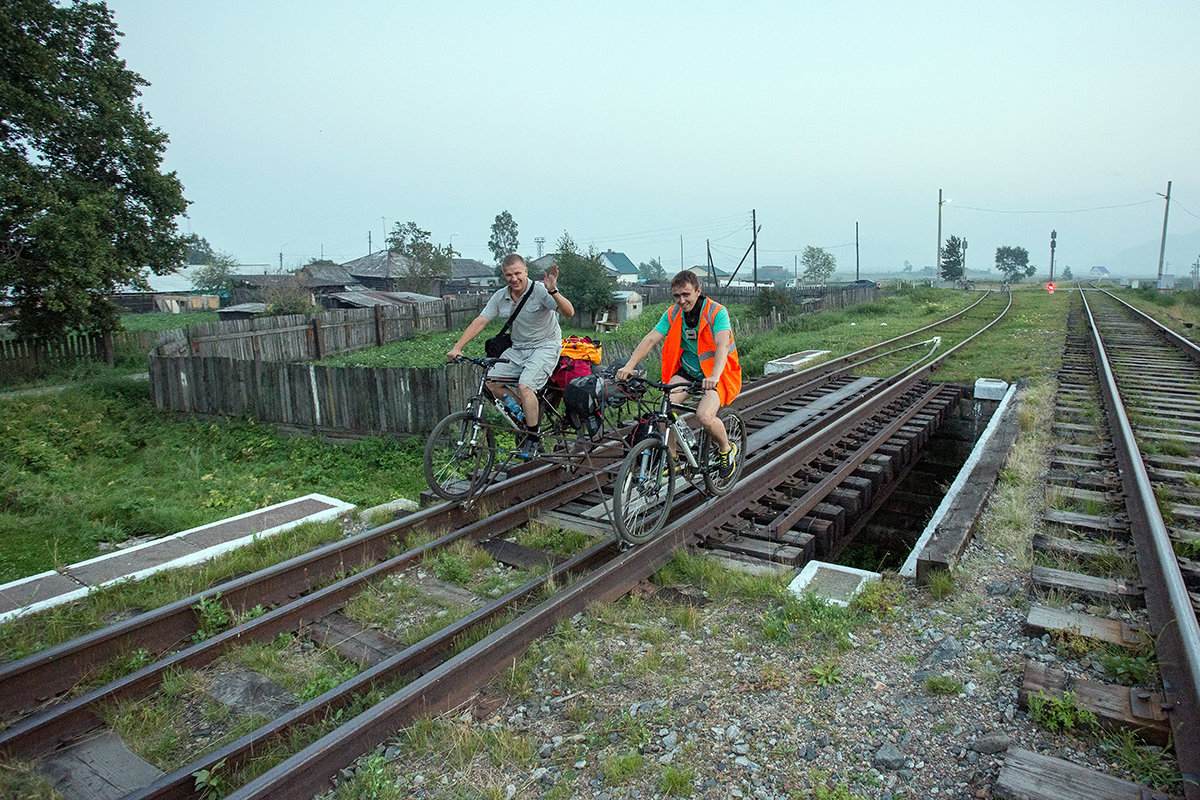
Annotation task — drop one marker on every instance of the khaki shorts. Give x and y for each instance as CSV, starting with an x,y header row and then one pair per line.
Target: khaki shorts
x,y
530,366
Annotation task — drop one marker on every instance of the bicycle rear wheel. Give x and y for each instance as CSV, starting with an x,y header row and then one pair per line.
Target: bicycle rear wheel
x,y
735,428
644,490
458,456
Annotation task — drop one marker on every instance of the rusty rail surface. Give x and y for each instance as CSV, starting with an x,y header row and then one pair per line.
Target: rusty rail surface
x,y
1171,612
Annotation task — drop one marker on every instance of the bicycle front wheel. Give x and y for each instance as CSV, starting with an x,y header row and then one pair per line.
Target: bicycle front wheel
x,y
644,490
458,456
735,429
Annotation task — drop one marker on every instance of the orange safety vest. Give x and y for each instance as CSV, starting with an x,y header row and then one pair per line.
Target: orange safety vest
x,y
706,347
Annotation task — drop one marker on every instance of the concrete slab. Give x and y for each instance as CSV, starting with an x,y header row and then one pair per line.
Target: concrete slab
x,y
249,693
98,768
37,589
38,592
792,362
109,567
832,582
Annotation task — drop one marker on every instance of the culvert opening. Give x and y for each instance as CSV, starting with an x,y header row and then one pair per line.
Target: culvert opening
x,y
889,532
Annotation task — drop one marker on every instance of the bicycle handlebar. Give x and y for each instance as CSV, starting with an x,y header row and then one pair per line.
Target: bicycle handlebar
x,y
692,387
483,362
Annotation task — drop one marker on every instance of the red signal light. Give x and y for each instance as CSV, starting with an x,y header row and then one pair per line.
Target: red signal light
x,y
1050,288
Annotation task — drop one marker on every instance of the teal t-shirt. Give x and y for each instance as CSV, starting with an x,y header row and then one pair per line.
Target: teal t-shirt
x,y
689,354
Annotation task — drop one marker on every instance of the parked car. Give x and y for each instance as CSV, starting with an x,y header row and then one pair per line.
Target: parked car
x,y
866,282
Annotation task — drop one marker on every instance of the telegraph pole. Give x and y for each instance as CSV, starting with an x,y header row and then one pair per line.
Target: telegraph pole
x,y
856,251
1162,248
937,260
754,225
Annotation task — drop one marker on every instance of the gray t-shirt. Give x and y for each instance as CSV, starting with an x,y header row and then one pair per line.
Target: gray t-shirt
x,y
538,321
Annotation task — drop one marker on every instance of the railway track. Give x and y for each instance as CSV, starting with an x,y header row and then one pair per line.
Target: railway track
x,y
1120,536
812,435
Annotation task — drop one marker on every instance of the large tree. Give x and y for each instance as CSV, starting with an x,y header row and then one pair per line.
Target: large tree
x,y
818,264
952,259
504,236
582,277
84,205
1014,263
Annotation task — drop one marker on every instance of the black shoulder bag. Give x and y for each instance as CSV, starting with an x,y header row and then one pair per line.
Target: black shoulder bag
x,y
495,346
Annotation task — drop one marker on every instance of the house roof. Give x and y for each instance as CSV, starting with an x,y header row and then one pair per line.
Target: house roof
x,y
620,262
176,282
367,299
262,279
381,264
327,275
470,268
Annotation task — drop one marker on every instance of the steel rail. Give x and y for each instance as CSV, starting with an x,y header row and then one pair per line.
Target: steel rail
x,y
40,732
1183,343
1174,618
309,771
34,679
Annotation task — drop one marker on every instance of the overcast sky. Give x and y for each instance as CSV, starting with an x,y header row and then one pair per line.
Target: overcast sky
x,y
298,127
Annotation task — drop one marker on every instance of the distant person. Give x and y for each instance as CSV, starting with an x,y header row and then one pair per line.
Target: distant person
x,y
697,346
536,336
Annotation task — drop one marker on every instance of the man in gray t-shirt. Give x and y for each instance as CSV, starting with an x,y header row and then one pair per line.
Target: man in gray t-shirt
x,y
536,334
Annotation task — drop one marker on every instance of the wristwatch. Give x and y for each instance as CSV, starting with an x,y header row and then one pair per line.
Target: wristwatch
x,y
553,292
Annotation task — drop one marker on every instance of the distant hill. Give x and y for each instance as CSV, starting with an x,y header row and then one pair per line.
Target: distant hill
x,y
1142,260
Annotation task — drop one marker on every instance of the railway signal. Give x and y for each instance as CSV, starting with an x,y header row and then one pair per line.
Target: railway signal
x,y
1050,287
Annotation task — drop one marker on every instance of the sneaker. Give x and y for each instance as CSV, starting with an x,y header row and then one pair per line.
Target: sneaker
x,y
727,462
529,446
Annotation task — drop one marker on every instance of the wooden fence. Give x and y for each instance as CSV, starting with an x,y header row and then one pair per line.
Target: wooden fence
x,y
351,401
27,359
301,338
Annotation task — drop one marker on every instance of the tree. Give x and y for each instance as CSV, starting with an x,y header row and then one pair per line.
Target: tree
x,y
504,236
818,264
84,207
1066,274
214,277
1014,263
952,259
772,302
199,251
652,271
431,260
582,277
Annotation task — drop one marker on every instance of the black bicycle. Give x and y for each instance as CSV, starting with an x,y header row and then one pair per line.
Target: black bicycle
x,y
469,448
645,486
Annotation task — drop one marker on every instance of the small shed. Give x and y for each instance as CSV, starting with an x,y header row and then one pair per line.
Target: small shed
x,y
626,305
241,311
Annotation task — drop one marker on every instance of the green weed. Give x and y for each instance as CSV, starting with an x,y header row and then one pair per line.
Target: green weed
x,y
1061,713
943,684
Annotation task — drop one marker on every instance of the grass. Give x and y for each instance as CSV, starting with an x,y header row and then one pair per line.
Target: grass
x,y
28,634
829,626
98,464
161,321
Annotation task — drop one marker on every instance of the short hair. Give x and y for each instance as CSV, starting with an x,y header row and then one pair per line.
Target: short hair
x,y
686,277
510,259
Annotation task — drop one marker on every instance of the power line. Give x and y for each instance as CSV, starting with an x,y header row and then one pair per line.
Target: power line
x,y
1067,211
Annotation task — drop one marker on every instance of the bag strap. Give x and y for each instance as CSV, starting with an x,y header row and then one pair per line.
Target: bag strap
x,y
516,310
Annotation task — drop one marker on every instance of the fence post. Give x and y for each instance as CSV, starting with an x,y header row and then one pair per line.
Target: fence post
x,y
316,329
379,326
449,315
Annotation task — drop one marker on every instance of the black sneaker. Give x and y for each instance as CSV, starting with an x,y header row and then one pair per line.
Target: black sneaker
x,y
529,447
727,462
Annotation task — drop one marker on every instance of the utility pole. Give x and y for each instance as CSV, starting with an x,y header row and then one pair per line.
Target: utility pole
x,y
369,248
964,259
681,251
540,241
856,251
281,263
1162,248
712,270
754,225
937,261
1053,236
796,268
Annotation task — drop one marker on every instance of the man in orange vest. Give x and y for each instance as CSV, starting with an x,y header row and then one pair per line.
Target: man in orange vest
x,y
697,346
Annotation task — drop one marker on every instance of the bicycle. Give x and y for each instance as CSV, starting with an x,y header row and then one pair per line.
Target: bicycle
x,y
468,448
645,485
